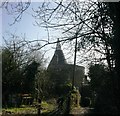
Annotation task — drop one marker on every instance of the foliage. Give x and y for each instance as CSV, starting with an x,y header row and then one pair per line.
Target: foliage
x,y
29,77
10,73
102,88
19,70
59,82
96,25
114,13
14,81
42,84
47,107
98,74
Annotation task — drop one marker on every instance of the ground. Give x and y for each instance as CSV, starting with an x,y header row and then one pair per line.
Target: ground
x,y
27,110
49,108
81,111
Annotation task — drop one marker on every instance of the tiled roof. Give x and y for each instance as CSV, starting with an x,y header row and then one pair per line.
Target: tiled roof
x,y
58,57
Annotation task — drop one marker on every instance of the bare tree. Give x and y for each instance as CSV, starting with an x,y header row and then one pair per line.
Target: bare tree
x,y
16,9
24,51
87,20
20,64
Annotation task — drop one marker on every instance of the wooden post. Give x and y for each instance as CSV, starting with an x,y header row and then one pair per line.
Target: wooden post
x,y
74,67
39,106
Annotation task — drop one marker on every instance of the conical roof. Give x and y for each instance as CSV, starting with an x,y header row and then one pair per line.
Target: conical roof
x,y
58,57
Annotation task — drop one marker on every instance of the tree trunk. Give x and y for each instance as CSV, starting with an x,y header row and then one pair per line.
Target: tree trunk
x,y
115,16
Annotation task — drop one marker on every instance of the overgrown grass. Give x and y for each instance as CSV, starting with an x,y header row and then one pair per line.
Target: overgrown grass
x,y
47,107
25,109
22,110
